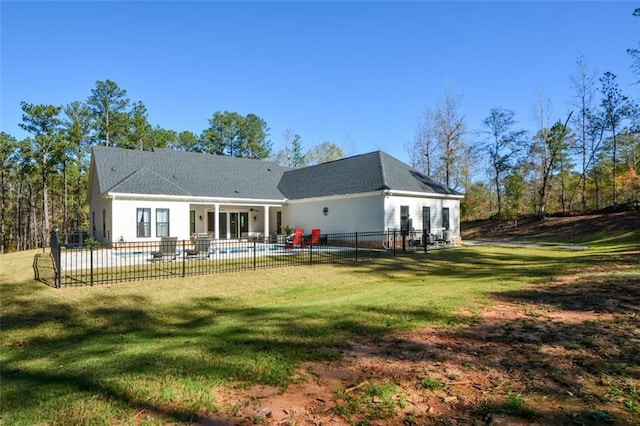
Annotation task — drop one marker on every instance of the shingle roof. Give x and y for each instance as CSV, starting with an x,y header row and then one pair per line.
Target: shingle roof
x,y
165,171
375,171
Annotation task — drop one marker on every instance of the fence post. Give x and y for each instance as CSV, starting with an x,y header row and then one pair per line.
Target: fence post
x,y
310,253
394,242
356,246
425,241
91,262
254,254
55,253
184,258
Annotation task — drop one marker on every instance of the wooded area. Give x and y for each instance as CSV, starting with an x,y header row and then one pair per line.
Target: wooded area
x,y
584,161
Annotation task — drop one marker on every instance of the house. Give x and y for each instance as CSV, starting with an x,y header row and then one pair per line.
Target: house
x,y
145,195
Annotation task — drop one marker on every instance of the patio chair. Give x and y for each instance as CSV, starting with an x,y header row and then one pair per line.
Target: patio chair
x,y
200,248
315,237
167,249
296,240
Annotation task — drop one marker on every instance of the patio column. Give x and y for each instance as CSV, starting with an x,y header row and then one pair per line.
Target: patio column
x,y
216,220
266,224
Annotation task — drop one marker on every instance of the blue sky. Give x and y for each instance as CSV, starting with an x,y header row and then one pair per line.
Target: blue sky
x,y
357,74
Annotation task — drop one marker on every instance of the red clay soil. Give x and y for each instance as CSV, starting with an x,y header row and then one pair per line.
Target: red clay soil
x,y
555,229
567,352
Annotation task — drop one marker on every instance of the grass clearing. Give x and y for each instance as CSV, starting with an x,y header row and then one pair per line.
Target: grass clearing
x,y
152,351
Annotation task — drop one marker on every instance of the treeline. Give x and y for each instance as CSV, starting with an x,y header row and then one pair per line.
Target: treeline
x,y
44,177
582,161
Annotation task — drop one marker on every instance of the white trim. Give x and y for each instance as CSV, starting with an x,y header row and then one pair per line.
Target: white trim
x,y
195,199
421,194
386,192
336,197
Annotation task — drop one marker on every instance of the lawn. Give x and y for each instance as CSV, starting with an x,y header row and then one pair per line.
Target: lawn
x,y
157,352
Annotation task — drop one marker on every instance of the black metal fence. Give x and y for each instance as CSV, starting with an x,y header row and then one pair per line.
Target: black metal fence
x,y
92,263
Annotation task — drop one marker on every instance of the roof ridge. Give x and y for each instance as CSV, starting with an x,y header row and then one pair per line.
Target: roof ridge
x,y
383,170
147,169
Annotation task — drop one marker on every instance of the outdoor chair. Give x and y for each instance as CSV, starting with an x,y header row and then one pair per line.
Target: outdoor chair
x,y
200,249
296,240
167,249
315,237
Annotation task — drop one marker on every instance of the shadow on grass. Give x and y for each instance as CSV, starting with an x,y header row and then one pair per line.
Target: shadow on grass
x,y
165,361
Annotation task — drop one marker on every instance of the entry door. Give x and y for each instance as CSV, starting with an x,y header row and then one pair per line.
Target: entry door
x,y
426,219
211,224
244,223
233,222
222,217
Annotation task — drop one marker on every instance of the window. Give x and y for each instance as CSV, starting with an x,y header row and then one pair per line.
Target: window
x,y
445,218
404,220
162,222
426,219
104,223
93,224
143,220
192,221
279,222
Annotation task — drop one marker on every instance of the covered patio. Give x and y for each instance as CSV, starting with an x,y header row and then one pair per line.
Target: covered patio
x,y
232,221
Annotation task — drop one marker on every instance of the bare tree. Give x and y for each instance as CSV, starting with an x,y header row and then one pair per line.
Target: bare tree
x,y
588,142
615,108
438,146
502,146
424,148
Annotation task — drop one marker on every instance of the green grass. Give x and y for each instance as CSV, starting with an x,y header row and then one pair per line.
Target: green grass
x,y
151,352
513,405
370,401
429,383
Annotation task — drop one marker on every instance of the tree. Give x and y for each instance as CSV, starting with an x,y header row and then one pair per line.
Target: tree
x,y
43,123
550,146
635,52
108,105
139,131
233,135
292,154
450,129
588,136
424,148
188,141
77,129
515,189
502,147
325,152
8,147
615,108
438,147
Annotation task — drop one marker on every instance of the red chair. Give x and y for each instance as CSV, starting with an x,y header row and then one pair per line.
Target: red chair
x,y
315,237
296,240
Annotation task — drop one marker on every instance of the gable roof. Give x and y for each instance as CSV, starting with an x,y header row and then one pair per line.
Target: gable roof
x,y
169,172
179,173
375,171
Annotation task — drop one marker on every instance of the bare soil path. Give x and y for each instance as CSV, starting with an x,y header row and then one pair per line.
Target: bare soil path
x,y
567,352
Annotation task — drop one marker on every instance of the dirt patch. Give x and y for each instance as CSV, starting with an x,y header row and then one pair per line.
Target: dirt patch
x,y
552,228
565,352
516,364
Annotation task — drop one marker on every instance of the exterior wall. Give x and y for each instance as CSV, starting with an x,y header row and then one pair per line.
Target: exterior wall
x,y
355,214
98,228
124,219
392,212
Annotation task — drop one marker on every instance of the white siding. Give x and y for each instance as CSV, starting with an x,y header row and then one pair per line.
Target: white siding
x,y
124,219
356,214
98,204
392,212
